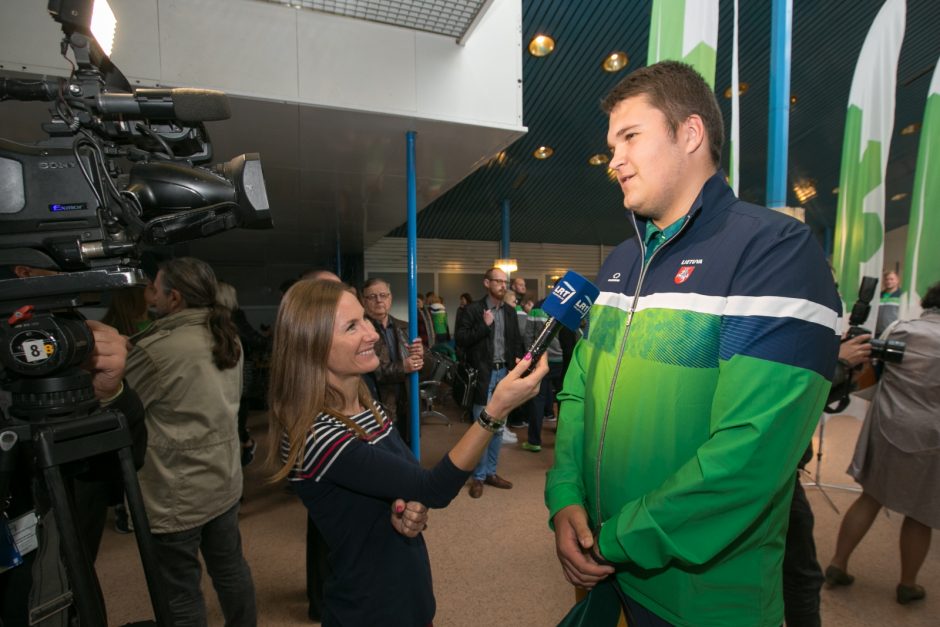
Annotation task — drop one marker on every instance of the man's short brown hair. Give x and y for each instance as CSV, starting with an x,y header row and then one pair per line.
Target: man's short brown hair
x,y
678,91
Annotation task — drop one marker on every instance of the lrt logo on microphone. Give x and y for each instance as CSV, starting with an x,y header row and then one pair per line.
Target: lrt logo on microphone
x,y
583,306
563,292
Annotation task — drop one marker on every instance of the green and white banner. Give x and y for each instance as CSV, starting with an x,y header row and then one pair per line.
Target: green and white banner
x,y
734,147
687,31
859,233
922,261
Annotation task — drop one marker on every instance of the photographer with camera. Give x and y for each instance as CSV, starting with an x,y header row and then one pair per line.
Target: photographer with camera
x,y
92,486
897,457
802,576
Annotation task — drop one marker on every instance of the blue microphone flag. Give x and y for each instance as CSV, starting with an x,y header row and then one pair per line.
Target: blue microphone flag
x,y
570,300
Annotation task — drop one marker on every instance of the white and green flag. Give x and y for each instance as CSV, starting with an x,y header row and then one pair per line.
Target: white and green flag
x,y
869,121
922,261
734,147
687,31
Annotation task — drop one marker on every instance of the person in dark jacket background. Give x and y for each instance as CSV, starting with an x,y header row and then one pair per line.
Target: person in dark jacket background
x,y
488,334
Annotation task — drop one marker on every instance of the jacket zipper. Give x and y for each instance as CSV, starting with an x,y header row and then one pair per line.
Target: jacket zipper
x,y
623,345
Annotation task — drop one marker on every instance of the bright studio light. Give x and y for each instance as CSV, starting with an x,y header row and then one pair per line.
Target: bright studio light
x,y
103,25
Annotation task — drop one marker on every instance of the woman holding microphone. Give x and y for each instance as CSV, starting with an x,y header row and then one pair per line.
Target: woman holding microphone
x,y
349,465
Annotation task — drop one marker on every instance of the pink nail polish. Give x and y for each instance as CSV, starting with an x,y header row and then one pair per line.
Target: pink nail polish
x,y
528,357
399,508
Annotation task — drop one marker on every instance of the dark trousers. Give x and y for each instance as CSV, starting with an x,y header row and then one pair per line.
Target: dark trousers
x,y
538,411
318,569
220,543
802,576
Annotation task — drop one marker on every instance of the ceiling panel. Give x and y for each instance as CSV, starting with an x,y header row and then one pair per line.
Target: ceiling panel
x,y
565,200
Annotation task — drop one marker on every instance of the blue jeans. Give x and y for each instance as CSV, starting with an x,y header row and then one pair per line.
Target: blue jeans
x,y
220,543
487,465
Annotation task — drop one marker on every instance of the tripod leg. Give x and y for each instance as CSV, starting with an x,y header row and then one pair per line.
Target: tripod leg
x,y
82,579
135,506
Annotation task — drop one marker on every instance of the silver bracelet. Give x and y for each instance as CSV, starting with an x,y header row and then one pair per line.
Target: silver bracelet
x,y
489,423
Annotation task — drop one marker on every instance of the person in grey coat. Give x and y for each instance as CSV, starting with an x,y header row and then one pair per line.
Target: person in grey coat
x,y
897,457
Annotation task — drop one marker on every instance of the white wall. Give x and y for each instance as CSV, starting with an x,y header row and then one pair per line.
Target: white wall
x,y
269,51
895,249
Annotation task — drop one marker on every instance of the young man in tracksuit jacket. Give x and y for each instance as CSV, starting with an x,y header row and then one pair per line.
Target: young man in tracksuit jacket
x,y
707,360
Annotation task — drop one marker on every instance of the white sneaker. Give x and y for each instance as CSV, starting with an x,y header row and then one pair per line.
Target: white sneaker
x,y
509,437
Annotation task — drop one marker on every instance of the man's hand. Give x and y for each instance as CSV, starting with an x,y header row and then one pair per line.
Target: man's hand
x,y
856,351
106,362
416,348
488,317
409,519
573,542
414,360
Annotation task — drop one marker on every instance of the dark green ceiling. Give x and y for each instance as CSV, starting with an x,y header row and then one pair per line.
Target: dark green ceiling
x,y
565,200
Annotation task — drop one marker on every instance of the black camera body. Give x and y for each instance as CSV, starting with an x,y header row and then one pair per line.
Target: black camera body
x,y
891,351
122,167
120,170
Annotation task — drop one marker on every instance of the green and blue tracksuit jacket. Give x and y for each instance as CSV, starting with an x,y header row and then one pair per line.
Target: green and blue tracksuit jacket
x,y
689,403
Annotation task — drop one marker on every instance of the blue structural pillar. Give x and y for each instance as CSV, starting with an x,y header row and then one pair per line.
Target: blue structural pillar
x,y
504,245
412,202
779,126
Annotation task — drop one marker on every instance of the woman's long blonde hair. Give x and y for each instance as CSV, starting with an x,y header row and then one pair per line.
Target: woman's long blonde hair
x,y
299,390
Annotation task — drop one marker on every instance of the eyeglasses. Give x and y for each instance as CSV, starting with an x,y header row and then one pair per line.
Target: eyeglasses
x,y
377,297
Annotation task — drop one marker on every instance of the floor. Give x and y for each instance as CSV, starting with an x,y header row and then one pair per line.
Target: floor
x,y
493,558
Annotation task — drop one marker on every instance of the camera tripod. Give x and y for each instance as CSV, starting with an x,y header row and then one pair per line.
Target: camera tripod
x,y
55,445
816,482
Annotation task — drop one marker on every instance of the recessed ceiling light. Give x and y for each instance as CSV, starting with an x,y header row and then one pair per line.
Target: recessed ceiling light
x,y
541,46
598,159
615,61
900,196
804,189
499,159
910,129
612,174
742,89
835,190
793,99
543,152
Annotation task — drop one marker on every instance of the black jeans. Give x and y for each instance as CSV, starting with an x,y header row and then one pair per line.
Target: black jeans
x,y
802,576
220,543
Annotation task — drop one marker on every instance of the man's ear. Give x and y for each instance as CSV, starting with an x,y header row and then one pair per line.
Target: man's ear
x,y
176,300
22,271
693,133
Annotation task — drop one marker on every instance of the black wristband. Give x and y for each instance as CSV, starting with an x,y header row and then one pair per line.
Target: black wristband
x,y
489,423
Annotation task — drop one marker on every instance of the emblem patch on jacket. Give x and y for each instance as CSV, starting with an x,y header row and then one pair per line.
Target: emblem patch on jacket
x,y
683,274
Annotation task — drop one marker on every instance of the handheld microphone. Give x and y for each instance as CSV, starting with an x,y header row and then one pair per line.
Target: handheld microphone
x,y
569,302
181,103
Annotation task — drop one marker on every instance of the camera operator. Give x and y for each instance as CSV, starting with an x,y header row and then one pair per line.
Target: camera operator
x,y
802,575
92,488
897,459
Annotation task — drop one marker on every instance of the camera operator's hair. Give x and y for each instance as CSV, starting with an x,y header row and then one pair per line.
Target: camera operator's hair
x,y
299,388
678,91
195,280
931,299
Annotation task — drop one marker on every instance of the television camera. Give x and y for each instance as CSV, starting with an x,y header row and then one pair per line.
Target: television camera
x,y
121,170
